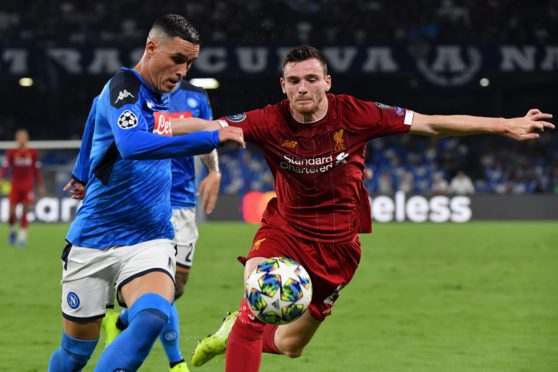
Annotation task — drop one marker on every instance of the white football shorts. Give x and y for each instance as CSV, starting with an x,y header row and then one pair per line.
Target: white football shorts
x,y
185,235
90,276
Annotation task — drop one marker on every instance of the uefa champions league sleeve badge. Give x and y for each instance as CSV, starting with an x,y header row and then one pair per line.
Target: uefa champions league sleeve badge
x,y
127,120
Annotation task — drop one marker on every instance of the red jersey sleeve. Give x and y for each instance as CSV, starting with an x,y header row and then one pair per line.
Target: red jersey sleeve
x,y
254,124
374,119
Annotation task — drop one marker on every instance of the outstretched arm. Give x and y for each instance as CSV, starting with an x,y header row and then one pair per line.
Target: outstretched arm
x,y
182,126
520,128
209,187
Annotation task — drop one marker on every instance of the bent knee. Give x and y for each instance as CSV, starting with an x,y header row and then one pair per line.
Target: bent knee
x,y
292,349
181,278
293,353
178,290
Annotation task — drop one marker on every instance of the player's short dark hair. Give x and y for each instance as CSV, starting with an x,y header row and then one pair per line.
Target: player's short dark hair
x,y
176,25
302,53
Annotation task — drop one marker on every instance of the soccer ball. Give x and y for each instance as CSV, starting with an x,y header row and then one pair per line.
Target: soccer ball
x,y
278,291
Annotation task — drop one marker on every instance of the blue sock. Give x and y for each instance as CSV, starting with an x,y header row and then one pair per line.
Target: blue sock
x,y
170,336
123,319
72,355
147,317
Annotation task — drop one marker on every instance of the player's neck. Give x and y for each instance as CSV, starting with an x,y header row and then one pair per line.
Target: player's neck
x,y
145,74
313,117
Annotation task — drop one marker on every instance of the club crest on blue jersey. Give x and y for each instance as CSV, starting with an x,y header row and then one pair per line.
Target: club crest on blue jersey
x,y
73,300
193,103
237,118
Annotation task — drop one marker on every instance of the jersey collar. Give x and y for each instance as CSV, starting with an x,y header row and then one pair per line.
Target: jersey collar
x,y
144,83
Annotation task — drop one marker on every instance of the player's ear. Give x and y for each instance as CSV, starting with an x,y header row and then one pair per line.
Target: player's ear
x,y
282,82
150,47
328,83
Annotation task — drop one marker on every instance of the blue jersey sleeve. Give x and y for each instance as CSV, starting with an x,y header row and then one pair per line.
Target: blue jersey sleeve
x,y
134,141
206,112
145,145
82,166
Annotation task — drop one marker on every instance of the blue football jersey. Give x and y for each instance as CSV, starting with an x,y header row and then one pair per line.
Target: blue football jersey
x,y
82,168
128,190
186,101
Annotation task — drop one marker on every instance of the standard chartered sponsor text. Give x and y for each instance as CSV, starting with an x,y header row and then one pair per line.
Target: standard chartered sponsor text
x,y
307,165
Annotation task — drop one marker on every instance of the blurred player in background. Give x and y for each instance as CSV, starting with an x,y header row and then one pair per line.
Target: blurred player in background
x,y
122,235
314,144
25,169
185,101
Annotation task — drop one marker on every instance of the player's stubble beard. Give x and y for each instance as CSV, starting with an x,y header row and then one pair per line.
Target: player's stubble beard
x,y
308,117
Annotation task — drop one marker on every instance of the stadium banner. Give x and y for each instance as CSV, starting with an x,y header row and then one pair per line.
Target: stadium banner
x,y
46,209
438,64
396,208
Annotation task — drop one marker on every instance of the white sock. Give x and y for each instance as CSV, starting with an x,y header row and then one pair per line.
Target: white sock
x,y
22,235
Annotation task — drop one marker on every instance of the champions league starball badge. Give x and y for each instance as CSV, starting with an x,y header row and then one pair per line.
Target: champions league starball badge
x,y
127,120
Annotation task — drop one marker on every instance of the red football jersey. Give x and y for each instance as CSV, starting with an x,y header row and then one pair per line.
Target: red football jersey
x,y
25,167
318,167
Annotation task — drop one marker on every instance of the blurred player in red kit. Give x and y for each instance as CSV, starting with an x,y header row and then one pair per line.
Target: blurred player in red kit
x,y
25,174
314,143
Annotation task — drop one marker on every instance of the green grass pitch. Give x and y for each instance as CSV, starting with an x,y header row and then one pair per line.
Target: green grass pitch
x,y
427,297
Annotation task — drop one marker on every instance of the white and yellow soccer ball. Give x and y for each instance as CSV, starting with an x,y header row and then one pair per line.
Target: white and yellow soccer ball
x,y
278,291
